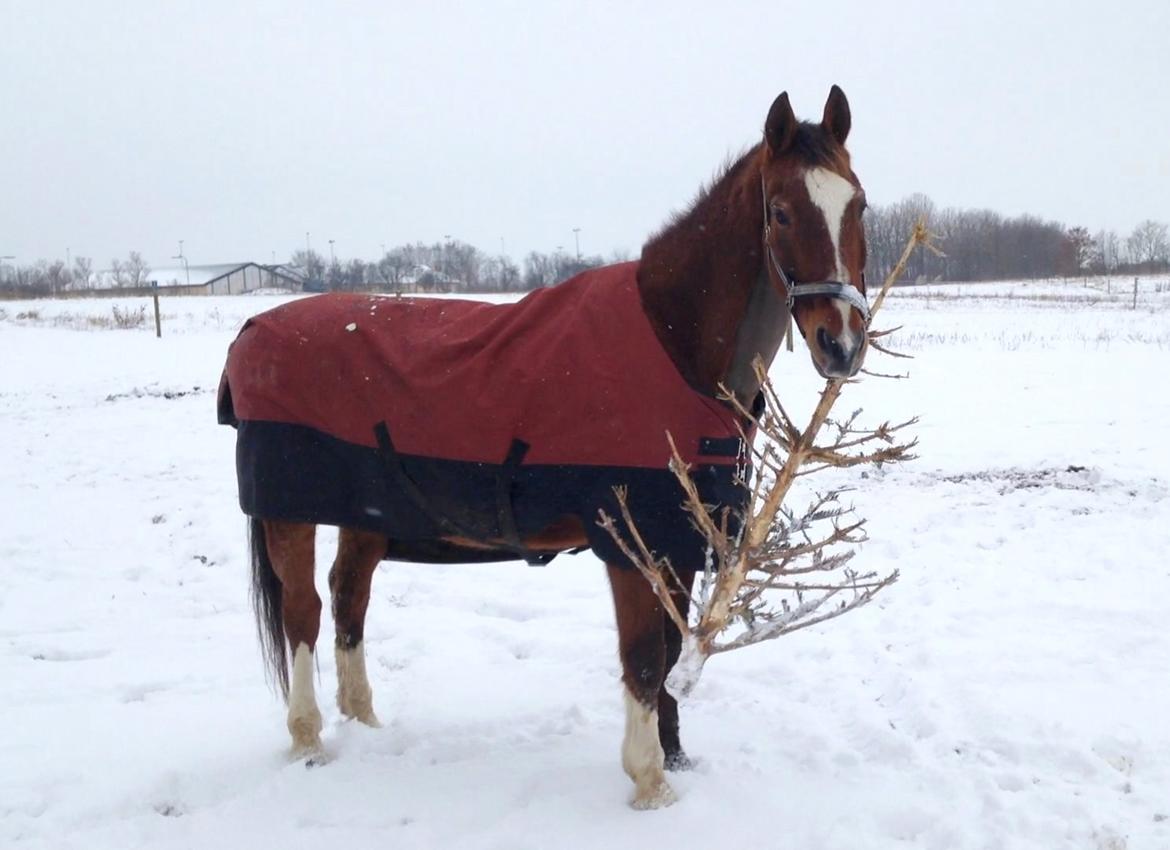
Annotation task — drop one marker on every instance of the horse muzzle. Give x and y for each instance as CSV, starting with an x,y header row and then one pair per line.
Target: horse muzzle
x,y
838,356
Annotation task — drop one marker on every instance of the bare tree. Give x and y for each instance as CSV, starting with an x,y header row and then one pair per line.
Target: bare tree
x,y
1106,251
500,274
57,276
131,273
334,276
137,269
394,266
118,272
312,266
1149,245
539,270
354,274
1079,249
461,263
80,273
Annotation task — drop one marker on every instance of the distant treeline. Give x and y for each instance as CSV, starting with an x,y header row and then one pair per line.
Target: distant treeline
x,y
978,245
451,266
984,245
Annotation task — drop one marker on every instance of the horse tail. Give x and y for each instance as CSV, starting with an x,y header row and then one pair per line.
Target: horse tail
x,y
267,602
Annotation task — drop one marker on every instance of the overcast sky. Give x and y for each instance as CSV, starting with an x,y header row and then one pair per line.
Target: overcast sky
x,y
238,126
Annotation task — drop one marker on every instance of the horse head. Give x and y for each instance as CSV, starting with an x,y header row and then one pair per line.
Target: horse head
x,y
813,234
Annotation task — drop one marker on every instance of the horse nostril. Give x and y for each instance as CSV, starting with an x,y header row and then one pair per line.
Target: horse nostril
x,y
830,346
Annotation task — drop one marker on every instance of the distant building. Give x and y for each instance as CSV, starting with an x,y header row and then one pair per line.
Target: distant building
x,y
215,279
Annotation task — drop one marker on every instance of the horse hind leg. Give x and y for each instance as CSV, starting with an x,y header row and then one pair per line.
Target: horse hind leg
x,y
640,622
358,555
290,552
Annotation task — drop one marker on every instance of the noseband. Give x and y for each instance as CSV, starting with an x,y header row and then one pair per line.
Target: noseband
x,y
829,288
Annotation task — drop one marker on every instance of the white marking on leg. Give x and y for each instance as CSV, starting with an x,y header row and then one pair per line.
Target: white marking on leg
x,y
642,756
304,718
354,696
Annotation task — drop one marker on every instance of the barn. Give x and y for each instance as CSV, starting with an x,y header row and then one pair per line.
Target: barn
x,y
226,279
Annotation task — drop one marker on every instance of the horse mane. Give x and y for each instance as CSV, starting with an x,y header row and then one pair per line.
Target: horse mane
x,y
811,144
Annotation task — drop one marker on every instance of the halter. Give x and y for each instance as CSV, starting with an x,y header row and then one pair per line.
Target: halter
x,y
830,288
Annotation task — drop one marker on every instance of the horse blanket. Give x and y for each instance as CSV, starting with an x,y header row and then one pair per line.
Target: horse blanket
x,y
429,418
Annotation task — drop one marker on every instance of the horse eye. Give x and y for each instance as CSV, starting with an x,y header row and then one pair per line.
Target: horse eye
x,y
780,216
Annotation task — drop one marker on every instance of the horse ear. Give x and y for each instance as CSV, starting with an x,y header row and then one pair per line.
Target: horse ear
x,y
837,120
780,128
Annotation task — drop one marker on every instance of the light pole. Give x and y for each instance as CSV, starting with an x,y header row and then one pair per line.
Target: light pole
x,y
577,241
186,267
332,257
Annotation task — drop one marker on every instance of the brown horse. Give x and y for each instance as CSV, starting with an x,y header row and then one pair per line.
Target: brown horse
x,y
444,431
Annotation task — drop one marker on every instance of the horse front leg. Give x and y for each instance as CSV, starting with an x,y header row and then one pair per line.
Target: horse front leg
x,y
641,642
358,555
675,757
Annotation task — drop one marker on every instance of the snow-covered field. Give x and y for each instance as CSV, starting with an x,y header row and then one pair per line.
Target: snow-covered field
x,y
1011,691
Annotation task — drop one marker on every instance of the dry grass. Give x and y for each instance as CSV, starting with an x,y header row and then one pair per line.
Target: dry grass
x,y
119,318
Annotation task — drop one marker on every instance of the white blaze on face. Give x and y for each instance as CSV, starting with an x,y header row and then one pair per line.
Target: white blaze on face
x,y
831,194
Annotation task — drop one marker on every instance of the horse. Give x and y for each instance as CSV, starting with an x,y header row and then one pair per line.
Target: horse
x,y
443,431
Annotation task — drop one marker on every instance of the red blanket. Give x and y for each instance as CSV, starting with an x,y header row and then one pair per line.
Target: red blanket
x,y
574,371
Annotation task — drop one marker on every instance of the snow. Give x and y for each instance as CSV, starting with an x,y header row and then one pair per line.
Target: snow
x,y
1009,691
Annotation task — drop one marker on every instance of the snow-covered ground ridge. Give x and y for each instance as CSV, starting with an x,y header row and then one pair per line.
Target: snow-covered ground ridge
x,y
1009,692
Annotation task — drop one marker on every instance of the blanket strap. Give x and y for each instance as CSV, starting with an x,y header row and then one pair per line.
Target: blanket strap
x,y
410,488
444,519
504,512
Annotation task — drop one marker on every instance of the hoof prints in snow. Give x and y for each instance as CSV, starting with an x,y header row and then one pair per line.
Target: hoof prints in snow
x,y
1071,477
66,655
157,392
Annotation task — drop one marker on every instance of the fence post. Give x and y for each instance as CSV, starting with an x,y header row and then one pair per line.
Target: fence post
x,y
1135,285
157,318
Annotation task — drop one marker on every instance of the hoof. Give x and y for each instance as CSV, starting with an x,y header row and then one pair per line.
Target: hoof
x,y
312,755
319,759
678,762
656,797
